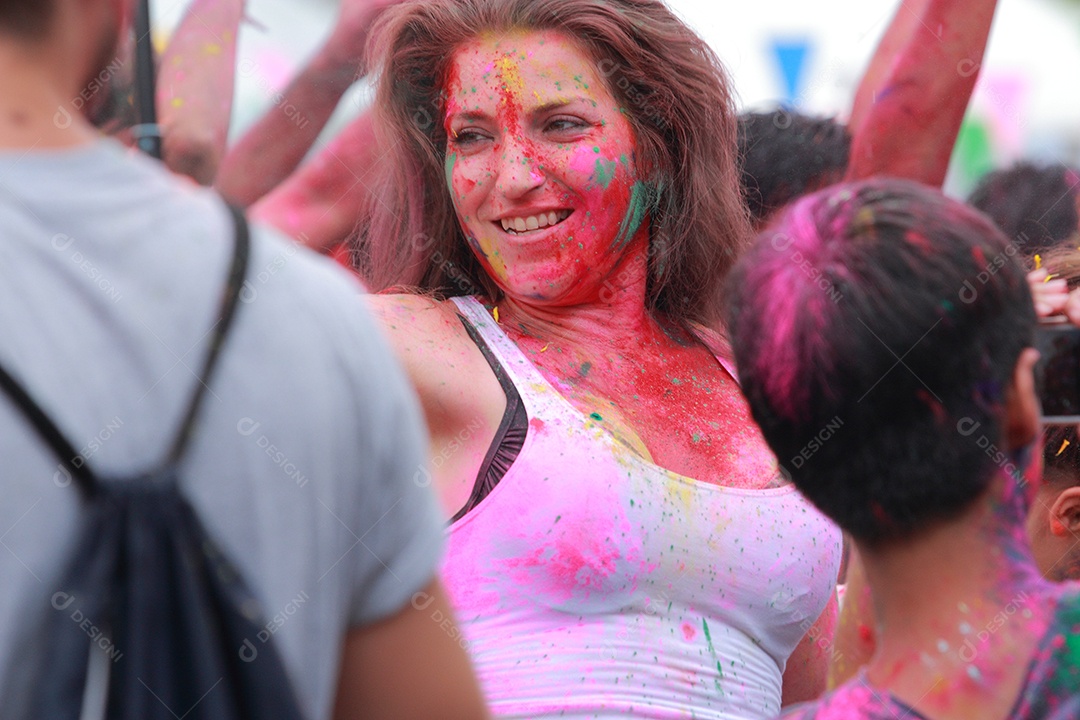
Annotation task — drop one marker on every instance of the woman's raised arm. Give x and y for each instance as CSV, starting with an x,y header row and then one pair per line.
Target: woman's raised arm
x,y
911,127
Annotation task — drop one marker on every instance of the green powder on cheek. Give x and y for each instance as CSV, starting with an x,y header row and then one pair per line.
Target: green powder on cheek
x,y
604,172
451,160
635,216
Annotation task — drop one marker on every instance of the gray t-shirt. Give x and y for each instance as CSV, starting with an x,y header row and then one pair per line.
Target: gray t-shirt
x,y
306,457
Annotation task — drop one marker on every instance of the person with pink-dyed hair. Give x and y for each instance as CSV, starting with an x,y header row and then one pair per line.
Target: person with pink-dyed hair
x,y
926,364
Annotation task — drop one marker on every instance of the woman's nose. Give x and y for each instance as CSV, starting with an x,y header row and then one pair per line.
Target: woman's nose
x,y
520,170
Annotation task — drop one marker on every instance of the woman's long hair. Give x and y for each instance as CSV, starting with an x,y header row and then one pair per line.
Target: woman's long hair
x,y
676,95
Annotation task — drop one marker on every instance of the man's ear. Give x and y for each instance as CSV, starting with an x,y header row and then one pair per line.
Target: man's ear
x,y
1022,409
1065,513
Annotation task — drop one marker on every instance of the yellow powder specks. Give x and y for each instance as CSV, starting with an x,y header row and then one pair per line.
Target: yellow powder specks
x,y
510,73
1038,262
211,49
679,491
864,218
178,102
495,313
544,349
1064,444
1049,278
161,41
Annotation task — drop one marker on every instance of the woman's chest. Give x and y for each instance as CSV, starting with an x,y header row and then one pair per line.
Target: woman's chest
x,y
681,411
583,525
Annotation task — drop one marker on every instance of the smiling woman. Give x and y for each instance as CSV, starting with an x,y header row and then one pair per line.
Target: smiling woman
x,y
562,204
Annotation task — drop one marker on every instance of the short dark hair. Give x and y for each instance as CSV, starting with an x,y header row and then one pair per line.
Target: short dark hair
x,y
786,154
26,18
876,329
1034,205
1061,455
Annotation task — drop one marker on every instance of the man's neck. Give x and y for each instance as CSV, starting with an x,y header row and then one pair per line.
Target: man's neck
x,y
37,109
960,610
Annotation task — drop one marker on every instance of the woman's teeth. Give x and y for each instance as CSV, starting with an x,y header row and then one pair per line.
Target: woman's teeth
x,y
534,222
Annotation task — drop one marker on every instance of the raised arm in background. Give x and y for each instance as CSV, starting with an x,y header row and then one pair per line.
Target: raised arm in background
x,y
272,149
897,35
918,104
196,76
318,205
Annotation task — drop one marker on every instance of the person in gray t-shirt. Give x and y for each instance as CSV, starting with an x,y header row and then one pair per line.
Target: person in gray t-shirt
x,y
306,465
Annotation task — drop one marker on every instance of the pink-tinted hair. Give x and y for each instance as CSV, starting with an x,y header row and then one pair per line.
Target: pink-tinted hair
x,y
676,95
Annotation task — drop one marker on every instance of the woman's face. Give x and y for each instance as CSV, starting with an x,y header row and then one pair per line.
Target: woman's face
x,y
540,162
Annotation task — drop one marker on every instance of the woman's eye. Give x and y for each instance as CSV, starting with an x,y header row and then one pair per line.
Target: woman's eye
x,y
566,125
467,137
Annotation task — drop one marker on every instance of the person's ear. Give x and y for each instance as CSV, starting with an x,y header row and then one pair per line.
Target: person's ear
x,y
1065,513
1022,410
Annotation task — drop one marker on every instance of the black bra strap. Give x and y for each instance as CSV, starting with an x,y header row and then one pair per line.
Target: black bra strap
x,y
54,438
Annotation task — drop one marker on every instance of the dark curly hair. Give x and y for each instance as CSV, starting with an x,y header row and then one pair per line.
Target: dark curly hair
x,y
1034,205
786,155
875,347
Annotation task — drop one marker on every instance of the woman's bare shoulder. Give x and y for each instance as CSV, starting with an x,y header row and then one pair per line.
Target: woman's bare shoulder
x,y
429,339
413,322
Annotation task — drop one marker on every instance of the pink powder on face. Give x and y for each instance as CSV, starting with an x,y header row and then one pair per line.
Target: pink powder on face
x,y
689,631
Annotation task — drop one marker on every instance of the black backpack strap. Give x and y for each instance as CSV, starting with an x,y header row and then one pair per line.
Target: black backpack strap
x,y
46,428
229,300
54,438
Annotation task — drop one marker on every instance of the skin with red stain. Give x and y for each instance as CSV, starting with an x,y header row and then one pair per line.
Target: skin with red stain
x,y
909,108
318,205
536,137
273,148
195,87
897,35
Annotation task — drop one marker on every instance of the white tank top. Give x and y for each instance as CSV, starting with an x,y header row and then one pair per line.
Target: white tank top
x,y
591,583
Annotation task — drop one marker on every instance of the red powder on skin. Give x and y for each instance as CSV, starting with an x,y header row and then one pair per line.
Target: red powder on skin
x,y
980,258
536,424
866,635
689,631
